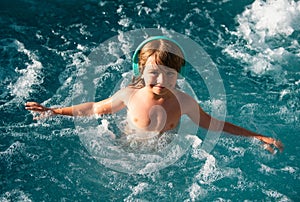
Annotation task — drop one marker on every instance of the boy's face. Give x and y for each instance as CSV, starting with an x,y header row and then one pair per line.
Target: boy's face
x,y
158,77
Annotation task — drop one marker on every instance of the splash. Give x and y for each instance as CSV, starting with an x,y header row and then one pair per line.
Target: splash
x,y
264,38
28,74
265,19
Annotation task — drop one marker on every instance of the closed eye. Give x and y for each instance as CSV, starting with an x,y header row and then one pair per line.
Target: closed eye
x,y
153,72
171,74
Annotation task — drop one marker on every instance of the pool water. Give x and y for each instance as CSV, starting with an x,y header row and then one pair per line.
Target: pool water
x,y
46,49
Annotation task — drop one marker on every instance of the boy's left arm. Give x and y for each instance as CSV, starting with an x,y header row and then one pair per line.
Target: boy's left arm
x,y
268,141
204,120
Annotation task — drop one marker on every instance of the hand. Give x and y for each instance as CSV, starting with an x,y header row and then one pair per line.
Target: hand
x,y
270,143
42,110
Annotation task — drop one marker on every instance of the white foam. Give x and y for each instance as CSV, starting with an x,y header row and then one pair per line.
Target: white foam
x,y
9,155
140,188
267,169
261,25
196,141
209,168
196,192
124,21
74,71
30,76
268,18
276,195
287,115
284,93
290,169
82,29
15,195
216,107
144,8
12,149
159,7
126,44
212,172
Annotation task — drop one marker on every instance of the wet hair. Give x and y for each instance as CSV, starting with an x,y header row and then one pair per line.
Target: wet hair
x,y
165,53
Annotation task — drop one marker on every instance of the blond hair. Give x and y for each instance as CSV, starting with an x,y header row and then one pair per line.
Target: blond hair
x,y
165,53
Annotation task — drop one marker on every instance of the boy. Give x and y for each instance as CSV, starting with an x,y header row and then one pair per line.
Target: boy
x,y
153,102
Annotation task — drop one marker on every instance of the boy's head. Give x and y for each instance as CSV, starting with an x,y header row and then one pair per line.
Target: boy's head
x,y
165,52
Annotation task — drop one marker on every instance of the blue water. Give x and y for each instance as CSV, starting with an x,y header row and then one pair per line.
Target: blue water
x,y
44,46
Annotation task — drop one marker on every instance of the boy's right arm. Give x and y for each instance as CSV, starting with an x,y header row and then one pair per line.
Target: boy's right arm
x,y
107,106
84,109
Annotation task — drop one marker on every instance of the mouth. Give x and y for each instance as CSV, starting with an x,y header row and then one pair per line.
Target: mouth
x,y
160,87
157,86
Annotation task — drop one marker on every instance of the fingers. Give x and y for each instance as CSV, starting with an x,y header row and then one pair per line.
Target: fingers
x,y
278,145
269,148
31,104
34,106
274,144
38,109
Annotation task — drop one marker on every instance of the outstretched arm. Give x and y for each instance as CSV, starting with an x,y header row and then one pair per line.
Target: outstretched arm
x,y
107,106
268,141
206,121
81,109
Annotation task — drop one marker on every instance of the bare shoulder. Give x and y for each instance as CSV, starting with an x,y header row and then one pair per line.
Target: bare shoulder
x,y
124,94
182,96
127,91
186,101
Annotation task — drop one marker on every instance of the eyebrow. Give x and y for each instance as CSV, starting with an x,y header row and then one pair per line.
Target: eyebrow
x,y
155,67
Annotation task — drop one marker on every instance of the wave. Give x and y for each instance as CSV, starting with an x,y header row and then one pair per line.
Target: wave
x,y
19,80
265,40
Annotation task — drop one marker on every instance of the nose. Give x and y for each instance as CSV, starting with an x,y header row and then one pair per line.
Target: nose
x,y
161,79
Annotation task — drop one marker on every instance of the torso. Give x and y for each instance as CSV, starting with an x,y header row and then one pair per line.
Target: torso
x,y
148,114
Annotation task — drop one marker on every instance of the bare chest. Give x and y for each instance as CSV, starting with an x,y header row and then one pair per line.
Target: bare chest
x,y
154,116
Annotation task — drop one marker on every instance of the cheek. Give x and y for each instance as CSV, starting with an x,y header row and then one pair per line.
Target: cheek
x,y
173,81
149,79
